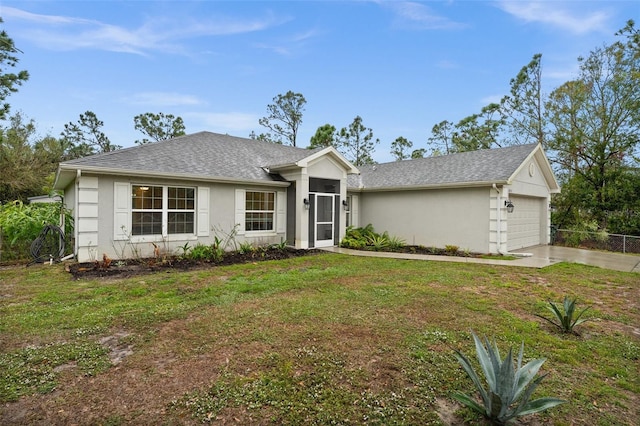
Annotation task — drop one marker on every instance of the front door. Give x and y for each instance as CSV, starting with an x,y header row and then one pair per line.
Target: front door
x,y
325,213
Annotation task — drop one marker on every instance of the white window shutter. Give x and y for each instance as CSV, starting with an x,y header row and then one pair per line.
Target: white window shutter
x,y
281,212
203,211
122,210
355,213
239,212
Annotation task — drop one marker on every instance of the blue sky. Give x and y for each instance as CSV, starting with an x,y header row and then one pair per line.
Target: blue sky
x,y
401,66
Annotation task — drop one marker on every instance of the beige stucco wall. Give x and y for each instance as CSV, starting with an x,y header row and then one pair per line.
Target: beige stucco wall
x,y
530,182
433,218
222,217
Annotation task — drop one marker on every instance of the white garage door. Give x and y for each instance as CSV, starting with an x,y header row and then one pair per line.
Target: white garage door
x,y
525,223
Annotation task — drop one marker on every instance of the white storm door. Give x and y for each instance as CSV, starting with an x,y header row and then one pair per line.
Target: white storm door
x,y
325,213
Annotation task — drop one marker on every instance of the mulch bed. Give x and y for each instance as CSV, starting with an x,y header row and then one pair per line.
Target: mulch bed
x,y
132,267
433,251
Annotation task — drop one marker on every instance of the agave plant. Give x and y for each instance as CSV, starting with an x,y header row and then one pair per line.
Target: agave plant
x,y
566,319
509,388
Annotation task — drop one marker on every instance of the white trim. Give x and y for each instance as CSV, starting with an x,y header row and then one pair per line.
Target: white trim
x,y
121,210
239,210
202,221
281,212
355,211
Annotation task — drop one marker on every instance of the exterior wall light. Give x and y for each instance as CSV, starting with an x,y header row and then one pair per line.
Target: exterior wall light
x,y
306,203
509,205
345,205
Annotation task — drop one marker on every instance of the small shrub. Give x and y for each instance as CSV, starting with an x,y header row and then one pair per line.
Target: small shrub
x,y
356,238
201,252
218,254
394,242
378,242
185,250
509,388
246,248
282,246
567,318
352,243
362,238
451,249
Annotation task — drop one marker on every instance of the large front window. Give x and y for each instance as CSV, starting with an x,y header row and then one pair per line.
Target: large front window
x,y
154,208
259,211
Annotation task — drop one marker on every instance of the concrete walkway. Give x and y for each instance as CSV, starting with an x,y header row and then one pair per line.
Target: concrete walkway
x,y
533,257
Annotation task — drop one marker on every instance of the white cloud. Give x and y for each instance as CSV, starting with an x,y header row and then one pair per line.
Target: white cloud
x,y
162,99
557,14
288,46
157,34
413,15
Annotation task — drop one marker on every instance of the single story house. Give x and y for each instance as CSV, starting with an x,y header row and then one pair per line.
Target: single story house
x,y
194,188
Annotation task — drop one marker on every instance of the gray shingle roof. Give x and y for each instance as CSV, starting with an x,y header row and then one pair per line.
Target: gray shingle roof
x,y
213,156
204,154
488,165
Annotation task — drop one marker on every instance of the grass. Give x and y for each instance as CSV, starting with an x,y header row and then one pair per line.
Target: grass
x,y
320,340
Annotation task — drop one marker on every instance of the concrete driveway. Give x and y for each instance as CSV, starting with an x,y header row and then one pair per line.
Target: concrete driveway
x,y
548,255
533,257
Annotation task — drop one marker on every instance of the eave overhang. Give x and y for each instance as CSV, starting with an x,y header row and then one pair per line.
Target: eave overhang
x,y
66,175
448,185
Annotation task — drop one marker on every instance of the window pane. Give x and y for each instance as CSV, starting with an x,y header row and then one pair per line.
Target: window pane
x,y
180,223
324,207
260,201
146,223
259,212
181,198
325,232
259,221
146,197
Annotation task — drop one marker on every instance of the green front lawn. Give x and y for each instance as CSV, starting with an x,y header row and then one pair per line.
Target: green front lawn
x,y
324,339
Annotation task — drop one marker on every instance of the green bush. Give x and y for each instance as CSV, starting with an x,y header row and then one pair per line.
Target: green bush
x,y
21,223
201,252
450,249
367,238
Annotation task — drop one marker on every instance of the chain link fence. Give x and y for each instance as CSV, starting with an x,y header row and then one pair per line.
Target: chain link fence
x,y
596,240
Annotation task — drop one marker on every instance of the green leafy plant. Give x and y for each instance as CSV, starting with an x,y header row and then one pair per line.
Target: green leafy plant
x,y
509,389
246,248
201,252
185,250
282,245
451,249
395,242
378,242
367,238
21,223
567,317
